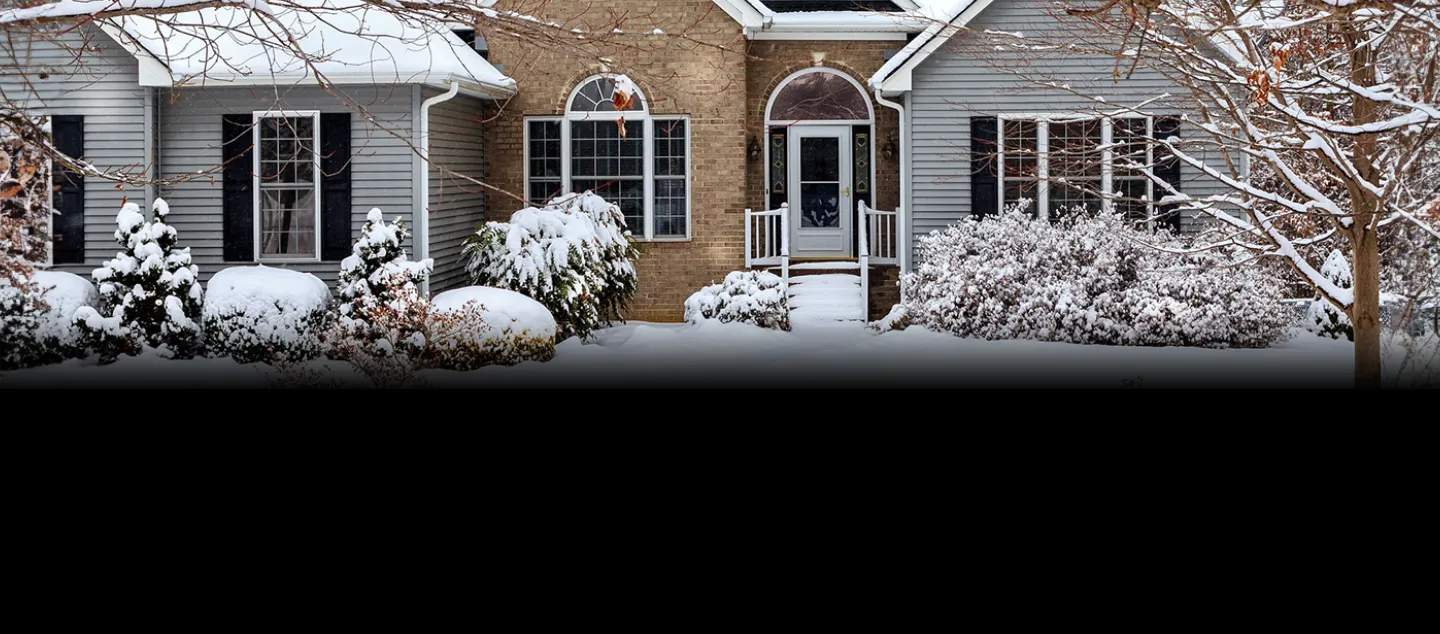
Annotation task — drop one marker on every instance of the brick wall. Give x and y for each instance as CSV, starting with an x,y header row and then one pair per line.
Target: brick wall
x,y
772,61
711,74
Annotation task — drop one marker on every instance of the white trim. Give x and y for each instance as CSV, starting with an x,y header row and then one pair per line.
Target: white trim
x,y
740,11
894,76
153,72
50,204
770,102
255,118
647,233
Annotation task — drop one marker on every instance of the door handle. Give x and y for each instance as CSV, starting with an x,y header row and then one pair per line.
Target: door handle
x,y
847,192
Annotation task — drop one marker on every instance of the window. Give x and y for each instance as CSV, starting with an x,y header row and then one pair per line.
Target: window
x,y
286,173
618,150
1063,163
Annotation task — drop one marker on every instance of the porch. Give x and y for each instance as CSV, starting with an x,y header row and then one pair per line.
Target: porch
x,y
842,287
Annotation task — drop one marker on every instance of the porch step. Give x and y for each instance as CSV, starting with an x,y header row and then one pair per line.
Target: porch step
x,y
828,297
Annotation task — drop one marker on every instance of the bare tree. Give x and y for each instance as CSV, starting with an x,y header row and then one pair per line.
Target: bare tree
x,y
1334,105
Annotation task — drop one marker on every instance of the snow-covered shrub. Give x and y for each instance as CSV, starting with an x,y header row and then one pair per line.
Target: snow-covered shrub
x,y
21,311
149,293
24,211
478,326
1086,279
263,314
749,297
63,294
893,320
380,328
573,255
1323,318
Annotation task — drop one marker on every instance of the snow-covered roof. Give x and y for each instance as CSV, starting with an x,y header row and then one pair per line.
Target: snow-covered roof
x,y
944,19
760,22
350,41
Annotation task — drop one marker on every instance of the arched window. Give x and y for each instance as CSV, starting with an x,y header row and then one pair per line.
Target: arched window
x,y
609,143
819,94
598,95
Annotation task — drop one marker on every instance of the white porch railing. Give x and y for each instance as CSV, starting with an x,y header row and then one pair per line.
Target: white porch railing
x,y
882,230
878,244
767,239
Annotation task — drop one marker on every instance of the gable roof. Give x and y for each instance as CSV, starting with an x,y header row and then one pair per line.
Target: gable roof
x,y
355,43
946,18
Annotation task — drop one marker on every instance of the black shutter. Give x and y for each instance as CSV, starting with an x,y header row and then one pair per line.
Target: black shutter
x,y
779,145
1167,168
984,168
335,186
239,202
68,133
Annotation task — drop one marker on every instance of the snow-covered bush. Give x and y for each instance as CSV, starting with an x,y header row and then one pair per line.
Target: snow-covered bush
x,y
573,255
24,211
263,314
1086,279
380,328
478,326
21,310
63,295
749,297
149,293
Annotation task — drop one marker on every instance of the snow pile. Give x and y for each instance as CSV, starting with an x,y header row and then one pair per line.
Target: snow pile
x,y
478,326
1088,279
749,297
149,292
1322,317
259,313
573,256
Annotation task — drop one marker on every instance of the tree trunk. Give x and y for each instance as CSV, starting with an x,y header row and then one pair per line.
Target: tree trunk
x,y
1365,312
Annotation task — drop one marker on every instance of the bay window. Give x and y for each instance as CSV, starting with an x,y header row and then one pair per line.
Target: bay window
x,y
614,147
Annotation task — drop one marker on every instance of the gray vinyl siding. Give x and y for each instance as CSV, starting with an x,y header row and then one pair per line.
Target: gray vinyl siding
x,y
457,206
961,80
54,77
382,164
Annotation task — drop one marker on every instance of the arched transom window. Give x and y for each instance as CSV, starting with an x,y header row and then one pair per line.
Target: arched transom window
x,y
608,142
819,94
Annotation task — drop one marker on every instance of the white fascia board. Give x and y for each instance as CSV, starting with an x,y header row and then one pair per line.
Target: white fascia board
x,y
742,12
898,80
153,72
827,35
442,81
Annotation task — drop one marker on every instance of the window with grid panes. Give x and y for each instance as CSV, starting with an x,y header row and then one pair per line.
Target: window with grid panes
x,y
619,151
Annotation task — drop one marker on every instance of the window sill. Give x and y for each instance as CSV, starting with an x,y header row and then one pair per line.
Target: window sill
x,y
304,260
661,240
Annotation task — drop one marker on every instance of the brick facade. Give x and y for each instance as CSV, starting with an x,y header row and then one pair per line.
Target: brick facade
x,y
711,74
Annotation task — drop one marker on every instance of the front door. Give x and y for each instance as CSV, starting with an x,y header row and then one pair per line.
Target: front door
x,y
820,201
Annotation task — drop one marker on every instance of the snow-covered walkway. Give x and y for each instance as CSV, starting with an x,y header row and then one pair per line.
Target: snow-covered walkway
x,y
837,354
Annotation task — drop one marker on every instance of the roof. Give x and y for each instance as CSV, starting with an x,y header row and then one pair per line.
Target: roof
x,y
355,43
946,18
825,19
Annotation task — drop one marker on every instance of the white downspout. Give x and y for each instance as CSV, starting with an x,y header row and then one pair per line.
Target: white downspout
x,y
422,232
906,237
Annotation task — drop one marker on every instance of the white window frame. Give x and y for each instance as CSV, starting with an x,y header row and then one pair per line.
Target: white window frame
x,y
255,179
647,232
1042,158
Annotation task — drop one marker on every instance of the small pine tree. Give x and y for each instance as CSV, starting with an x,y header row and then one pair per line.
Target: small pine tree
x,y
149,292
1323,318
381,328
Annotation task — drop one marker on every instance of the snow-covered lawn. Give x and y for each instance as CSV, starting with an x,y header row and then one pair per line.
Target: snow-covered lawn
x,y
644,355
